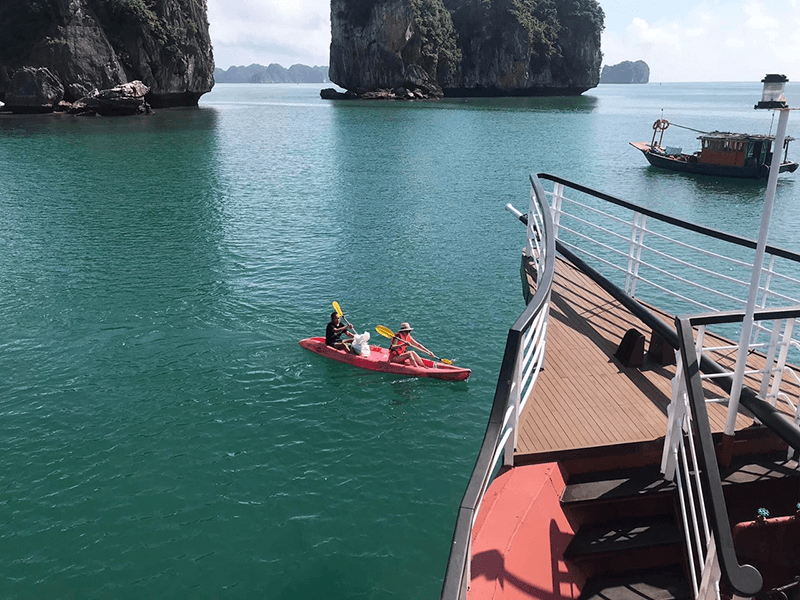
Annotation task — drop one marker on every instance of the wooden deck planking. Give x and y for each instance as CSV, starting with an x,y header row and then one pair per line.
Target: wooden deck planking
x,y
584,397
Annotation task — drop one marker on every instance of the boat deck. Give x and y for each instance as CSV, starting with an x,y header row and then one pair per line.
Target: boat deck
x,y
589,413
610,404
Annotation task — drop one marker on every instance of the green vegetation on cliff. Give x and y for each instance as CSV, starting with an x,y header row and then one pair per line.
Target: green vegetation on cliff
x,y
120,17
540,19
467,47
439,41
122,14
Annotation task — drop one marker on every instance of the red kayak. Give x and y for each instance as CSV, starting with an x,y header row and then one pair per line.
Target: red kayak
x,y
378,360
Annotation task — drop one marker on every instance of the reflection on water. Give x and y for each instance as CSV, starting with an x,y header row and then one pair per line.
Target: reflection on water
x,y
734,190
550,104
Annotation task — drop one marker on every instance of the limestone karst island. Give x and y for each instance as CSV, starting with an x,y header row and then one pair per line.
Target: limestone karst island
x,y
626,72
124,56
435,48
106,56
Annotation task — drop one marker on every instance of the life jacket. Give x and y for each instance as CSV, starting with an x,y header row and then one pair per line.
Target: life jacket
x,y
399,344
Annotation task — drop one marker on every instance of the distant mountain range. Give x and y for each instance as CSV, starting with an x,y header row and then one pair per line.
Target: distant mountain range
x,y
273,73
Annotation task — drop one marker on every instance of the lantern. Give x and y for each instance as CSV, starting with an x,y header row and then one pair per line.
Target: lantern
x,y
773,94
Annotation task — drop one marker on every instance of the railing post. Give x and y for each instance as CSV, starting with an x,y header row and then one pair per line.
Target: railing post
x,y
785,344
516,387
770,270
711,574
676,413
558,198
744,579
758,261
532,223
635,252
769,361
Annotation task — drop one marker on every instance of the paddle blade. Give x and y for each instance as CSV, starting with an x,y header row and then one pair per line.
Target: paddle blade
x,y
337,308
446,361
385,331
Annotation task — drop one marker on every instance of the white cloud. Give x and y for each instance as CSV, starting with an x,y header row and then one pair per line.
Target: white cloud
x,y
270,31
681,40
758,19
710,41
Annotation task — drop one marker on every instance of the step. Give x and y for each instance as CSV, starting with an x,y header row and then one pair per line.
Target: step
x,y
625,545
616,484
602,497
656,584
759,469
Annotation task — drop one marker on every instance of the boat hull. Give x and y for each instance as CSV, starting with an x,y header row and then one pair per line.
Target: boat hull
x,y
685,163
378,360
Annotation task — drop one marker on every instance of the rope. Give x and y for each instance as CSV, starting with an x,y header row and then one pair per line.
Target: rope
x,y
689,128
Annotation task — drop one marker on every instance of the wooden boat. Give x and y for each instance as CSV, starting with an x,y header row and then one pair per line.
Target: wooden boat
x,y
626,455
721,154
378,360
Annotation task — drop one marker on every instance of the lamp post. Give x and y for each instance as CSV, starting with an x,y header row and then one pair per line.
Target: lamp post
x,y
772,98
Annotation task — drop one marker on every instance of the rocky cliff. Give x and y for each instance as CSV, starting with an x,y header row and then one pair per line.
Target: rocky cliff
x,y
626,72
466,47
88,45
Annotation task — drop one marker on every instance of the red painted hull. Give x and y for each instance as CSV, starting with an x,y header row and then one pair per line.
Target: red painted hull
x,y
378,360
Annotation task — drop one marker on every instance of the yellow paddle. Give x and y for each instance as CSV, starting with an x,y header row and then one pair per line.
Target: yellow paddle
x,y
388,333
339,312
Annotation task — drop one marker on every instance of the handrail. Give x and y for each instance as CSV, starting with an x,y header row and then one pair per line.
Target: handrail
x,y
769,415
745,579
714,233
456,579
669,268
669,265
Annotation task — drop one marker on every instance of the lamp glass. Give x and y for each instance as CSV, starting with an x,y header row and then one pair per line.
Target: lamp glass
x,y
774,91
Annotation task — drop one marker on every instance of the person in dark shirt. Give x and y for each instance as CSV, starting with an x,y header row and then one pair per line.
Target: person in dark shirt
x,y
334,332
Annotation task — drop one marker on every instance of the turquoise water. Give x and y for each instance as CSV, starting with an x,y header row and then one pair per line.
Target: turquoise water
x,y
163,435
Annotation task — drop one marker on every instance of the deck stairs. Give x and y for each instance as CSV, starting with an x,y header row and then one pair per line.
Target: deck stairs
x,y
629,541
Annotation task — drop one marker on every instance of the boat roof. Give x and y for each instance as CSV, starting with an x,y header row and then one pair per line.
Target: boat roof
x,y
739,137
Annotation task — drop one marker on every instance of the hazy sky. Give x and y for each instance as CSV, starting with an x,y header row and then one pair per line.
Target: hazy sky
x,y
681,40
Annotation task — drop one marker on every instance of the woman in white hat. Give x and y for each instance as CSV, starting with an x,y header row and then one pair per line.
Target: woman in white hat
x,y
399,349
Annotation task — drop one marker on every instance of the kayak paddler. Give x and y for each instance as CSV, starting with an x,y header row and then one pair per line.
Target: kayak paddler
x,y
334,332
400,348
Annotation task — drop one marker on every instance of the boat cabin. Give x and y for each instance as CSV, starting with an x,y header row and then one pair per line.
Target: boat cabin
x,y
736,149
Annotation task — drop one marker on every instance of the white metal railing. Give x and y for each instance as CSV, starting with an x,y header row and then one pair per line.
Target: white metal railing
x,y
689,458
647,255
679,464
768,378
522,362
655,261
683,268
529,358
